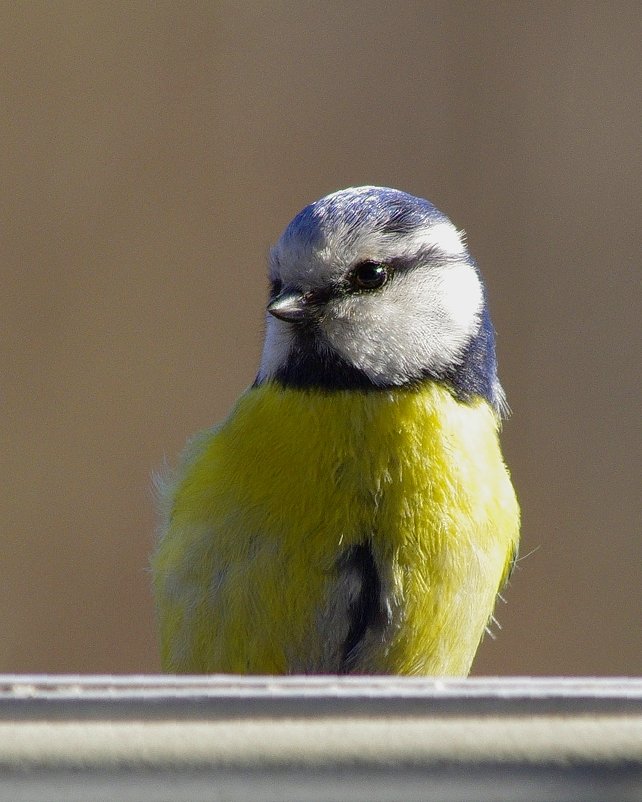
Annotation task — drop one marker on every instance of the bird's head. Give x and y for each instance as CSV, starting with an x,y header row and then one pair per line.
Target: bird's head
x,y
372,288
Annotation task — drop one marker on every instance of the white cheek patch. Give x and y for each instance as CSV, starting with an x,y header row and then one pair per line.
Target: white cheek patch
x,y
460,296
276,347
421,321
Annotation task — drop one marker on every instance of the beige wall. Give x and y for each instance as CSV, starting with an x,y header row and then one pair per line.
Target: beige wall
x,y
153,151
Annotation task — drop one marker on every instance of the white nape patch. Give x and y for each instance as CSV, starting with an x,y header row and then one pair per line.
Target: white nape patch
x,y
421,321
276,347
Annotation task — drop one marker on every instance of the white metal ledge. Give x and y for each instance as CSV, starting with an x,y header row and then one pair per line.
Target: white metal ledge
x,y
369,739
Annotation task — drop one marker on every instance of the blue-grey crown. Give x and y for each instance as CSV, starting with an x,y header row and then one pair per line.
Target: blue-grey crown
x,y
380,209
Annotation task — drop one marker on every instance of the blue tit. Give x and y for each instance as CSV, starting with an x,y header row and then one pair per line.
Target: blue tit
x,y
353,514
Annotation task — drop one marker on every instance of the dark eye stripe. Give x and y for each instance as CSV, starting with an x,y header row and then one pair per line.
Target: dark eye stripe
x,y
426,256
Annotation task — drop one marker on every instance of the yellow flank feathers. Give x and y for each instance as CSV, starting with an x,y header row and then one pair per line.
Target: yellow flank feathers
x,y
248,572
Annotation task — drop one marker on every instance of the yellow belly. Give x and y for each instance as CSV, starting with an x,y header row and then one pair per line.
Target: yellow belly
x,y
265,505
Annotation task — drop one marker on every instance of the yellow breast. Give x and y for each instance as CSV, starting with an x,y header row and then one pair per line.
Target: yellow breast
x,y
247,572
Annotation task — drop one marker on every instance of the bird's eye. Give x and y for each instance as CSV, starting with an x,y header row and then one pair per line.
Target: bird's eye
x,y
370,275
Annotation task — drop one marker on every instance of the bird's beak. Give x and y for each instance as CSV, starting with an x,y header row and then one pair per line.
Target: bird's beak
x,y
294,307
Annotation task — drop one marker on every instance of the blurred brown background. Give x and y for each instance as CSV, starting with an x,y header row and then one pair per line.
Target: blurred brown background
x,y
152,152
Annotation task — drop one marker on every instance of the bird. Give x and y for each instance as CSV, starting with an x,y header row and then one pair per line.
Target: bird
x,y
353,514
